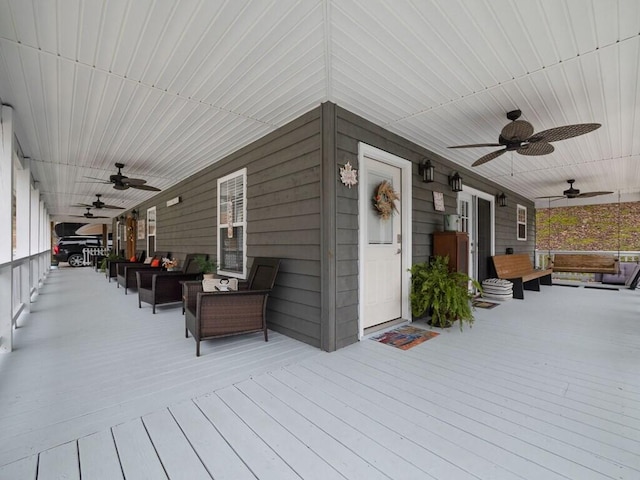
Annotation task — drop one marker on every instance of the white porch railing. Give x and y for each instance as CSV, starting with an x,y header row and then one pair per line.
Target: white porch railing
x,y
87,253
542,260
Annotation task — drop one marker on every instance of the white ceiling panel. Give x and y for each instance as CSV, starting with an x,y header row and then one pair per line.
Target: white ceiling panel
x,y
168,88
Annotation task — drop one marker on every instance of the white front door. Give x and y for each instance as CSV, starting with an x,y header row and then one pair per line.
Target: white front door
x,y
382,260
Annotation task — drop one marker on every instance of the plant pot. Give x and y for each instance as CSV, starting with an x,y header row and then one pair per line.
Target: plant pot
x,y
208,276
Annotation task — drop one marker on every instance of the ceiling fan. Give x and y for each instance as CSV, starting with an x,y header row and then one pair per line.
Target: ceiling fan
x,y
122,182
88,214
575,193
518,136
99,204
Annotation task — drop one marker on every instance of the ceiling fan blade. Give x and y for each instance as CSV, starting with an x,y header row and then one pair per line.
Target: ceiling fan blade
x,y
592,194
83,205
488,157
110,207
562,133
145,187
540,148
133,181
517,131
557,197
477,145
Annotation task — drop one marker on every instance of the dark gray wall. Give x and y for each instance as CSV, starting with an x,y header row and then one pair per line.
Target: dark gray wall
x,y
299,211
283,218
352,129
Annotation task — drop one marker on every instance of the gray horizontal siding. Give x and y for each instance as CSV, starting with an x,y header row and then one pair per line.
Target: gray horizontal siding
x,y
283,218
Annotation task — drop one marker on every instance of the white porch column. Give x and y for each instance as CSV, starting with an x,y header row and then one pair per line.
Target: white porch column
x,y
23,213
23,226
6,234
34,241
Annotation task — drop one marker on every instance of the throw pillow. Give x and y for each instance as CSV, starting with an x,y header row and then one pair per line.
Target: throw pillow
x,y
133,259
155,262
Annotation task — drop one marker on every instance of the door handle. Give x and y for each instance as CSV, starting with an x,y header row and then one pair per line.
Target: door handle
x,y
399,251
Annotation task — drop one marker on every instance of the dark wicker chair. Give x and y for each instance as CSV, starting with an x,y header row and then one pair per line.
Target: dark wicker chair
x,y
220,314
159,288
112,265
127,271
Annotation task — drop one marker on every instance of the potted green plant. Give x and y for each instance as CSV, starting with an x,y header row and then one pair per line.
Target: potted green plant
x,y
443,293
207,266
112,257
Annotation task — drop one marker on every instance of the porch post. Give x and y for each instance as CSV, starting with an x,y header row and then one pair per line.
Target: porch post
x,y
328,243
6,233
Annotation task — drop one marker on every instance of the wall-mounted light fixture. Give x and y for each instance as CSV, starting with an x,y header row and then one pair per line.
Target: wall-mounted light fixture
x,y
121,218
502,200
134,214
455,182
427,171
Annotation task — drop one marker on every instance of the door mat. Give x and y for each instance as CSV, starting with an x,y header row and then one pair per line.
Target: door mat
x,y
405,337
484,304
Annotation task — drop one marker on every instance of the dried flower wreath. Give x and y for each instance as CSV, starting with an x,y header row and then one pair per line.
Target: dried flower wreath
x,y
384,200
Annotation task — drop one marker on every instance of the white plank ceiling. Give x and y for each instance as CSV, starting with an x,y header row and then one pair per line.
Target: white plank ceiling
x,y
168,88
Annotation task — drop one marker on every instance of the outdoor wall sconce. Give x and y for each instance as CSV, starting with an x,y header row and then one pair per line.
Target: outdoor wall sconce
x,y
134,214
121,218
502,200
455,182
427,171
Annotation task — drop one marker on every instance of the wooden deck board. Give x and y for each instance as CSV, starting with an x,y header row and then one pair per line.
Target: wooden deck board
x,y
285,406
98,457
510,419
176,454
211,447
25,468
303,460
138,456
256,453
386,444
545,388
59,462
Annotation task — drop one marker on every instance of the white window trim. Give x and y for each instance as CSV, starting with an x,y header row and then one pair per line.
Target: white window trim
x,y
242,172
151,217
518,222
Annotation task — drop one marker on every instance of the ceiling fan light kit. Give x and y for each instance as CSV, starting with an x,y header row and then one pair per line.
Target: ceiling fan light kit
x,y
519,136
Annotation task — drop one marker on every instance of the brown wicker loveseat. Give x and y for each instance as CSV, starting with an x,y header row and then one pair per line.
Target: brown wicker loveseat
x,y
163,287
111,270
127,271
219,314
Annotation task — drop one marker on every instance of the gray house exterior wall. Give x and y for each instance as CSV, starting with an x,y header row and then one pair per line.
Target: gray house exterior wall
x,y
299,211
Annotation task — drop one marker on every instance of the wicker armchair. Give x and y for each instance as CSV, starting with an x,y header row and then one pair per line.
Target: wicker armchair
x,y
219,314
159,288
127,271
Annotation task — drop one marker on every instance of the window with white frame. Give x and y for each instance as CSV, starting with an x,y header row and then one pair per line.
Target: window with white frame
x,y
521,222
232,209
151,230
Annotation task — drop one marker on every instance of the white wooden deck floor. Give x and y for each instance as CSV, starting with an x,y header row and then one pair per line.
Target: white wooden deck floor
x,y
545,388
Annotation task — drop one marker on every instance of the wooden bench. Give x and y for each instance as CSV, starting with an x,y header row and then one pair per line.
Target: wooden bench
x,y
584,263
519,270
